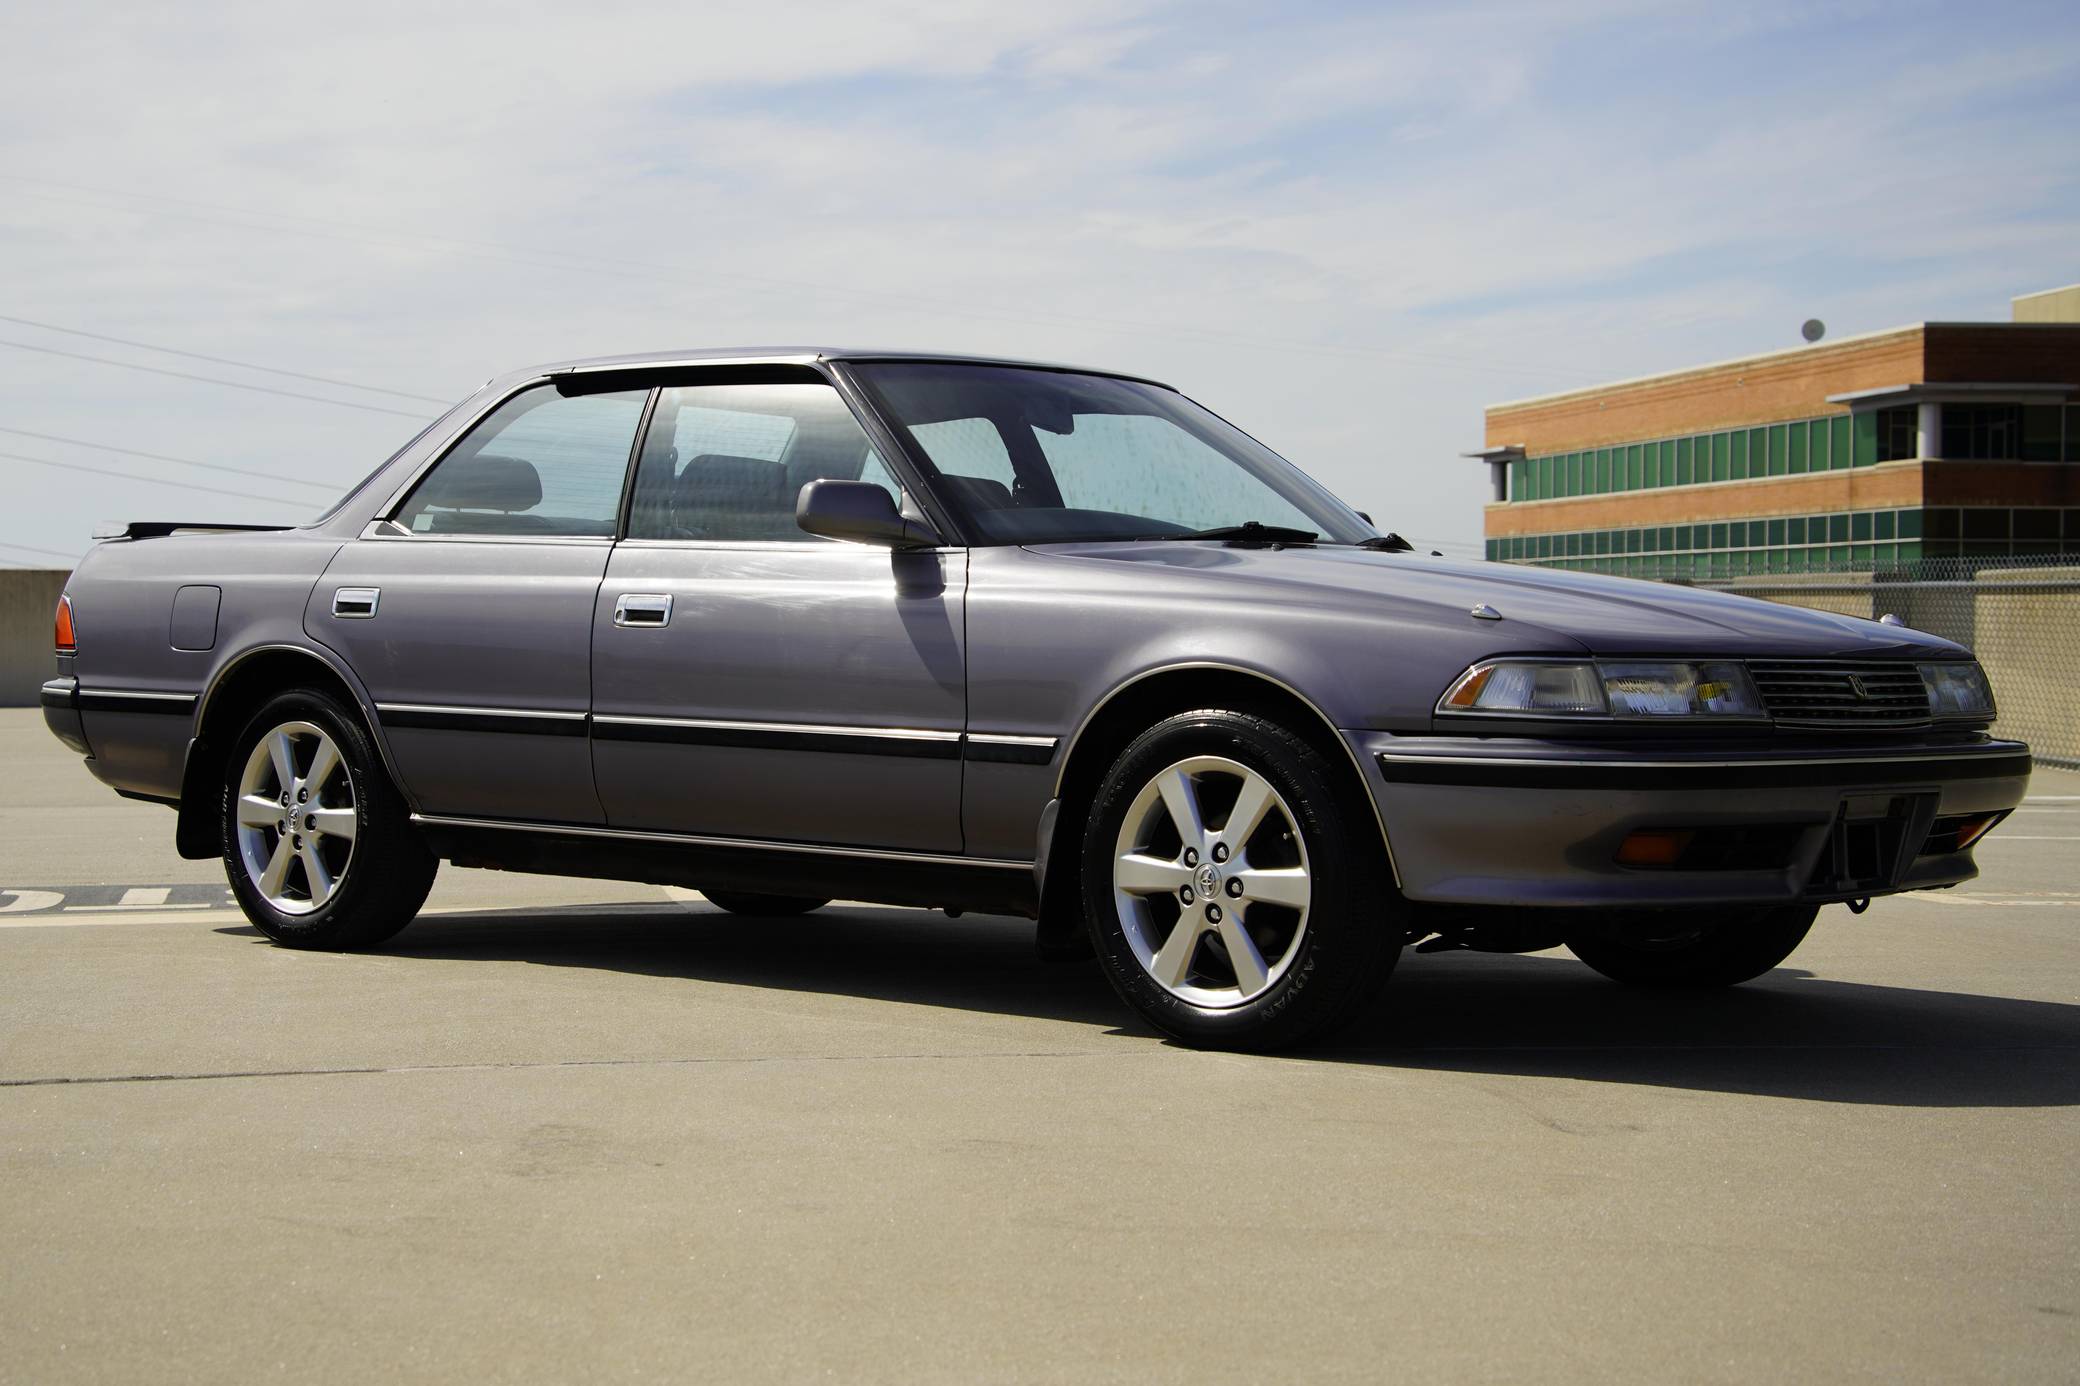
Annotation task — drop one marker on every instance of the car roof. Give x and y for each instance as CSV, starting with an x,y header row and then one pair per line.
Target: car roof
x,y
805,355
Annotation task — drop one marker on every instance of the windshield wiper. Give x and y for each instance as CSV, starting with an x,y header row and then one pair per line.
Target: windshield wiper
x,y
1250,532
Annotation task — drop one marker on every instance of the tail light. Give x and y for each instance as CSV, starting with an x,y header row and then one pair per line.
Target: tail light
x,y
66,643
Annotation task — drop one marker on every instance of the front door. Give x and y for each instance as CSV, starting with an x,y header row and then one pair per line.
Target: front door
x,y
467,613
753,681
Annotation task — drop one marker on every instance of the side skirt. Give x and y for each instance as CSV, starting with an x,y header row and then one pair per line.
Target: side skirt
x,y
840,873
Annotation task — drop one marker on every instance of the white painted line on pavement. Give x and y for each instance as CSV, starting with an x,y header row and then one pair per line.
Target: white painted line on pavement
x,y
126,905
56,920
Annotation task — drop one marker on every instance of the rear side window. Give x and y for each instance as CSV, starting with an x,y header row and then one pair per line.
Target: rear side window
x,y
541,465
726,462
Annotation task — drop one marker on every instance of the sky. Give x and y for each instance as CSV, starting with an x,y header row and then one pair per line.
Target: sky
x,y
1346,228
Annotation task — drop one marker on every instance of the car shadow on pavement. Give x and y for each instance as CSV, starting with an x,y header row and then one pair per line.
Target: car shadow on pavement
x,y
1788,1034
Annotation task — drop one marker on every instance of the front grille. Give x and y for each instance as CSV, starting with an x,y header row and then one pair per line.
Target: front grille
x,y
1835,693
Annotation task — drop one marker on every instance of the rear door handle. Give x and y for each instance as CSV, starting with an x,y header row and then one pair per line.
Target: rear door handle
x,y
355,601
643,609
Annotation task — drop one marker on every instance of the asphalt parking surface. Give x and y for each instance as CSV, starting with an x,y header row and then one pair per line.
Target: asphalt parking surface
x,y
571,1130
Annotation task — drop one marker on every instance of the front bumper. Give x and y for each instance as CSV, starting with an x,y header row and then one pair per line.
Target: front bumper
x,y
1501,821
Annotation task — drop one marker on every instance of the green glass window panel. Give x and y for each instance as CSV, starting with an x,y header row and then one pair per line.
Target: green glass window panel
x,y
1884,555
1603,470
1795,449
1816,445
1841,451
1491,551
1778,444
1758,452
1665,475
1574,545
2040,432
1633,468
1520,480
1837,529
1686,454
1545,546
1860,526
1718,540
1865,429
1739,466
1860,554
1776,532
1666,539
1721,457
1758,533
1910,524
1909,552
1795,530
2073,433
1570,475
1882,524
1838,554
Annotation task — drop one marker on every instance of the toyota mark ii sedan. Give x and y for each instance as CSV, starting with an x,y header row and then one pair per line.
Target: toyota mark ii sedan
x,y
799,625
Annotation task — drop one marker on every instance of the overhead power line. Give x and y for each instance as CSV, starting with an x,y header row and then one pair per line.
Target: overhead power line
x,y
213,380
222,360
153,480
51,553
181,461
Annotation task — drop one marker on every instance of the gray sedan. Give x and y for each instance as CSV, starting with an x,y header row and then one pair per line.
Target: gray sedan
x,y
790,626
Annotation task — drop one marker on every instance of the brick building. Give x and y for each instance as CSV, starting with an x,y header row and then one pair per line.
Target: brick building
x,y
1931,441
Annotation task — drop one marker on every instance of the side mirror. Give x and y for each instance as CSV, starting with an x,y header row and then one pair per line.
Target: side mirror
x,y
861,513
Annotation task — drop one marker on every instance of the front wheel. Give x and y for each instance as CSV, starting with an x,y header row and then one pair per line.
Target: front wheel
x,y
1239,895
1720,948
318,844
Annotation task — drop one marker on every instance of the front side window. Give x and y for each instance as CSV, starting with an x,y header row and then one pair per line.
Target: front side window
x,y
541,465
727,462
1035,456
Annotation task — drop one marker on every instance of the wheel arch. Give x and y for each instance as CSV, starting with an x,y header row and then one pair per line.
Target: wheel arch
x,y
239,686
1137,704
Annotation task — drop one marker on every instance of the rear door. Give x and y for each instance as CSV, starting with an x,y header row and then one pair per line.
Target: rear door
x,y
751,680
468,611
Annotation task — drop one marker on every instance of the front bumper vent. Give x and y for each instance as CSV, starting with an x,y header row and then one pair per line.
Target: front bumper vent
x,y
1830,693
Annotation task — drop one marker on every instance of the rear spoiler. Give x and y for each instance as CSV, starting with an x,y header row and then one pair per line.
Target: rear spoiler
x,y
158,529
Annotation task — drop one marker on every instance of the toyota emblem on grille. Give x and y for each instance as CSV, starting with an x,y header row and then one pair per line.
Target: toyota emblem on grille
x,y
1862,693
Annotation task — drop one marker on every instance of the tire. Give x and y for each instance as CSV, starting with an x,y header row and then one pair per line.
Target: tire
x,y
353,872
745,902
1726,948
1309,923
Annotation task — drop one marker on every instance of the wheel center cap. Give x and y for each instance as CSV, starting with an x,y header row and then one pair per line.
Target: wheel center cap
x,y
1209,879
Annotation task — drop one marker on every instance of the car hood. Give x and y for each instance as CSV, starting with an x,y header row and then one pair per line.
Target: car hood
x,y
1604,615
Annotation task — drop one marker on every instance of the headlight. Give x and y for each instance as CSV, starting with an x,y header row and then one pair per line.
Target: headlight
x,y
1957,690
1524,688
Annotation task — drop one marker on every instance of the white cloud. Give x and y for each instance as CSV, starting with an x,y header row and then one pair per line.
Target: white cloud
x,y
1346,228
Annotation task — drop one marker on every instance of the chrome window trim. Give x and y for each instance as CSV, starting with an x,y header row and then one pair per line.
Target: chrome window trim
x,y
746,843
390,532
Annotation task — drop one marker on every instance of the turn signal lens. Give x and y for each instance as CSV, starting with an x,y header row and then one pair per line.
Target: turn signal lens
x,y
1972,830
66,643
1528,690
1654,847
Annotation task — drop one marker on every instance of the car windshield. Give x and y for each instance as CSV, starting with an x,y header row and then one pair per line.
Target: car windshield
x,y
1037,456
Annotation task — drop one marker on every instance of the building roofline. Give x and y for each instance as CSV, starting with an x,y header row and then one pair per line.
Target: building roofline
x,y
1757,357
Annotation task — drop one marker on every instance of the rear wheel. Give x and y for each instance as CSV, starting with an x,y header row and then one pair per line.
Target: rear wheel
x,y
746,902
318,844
1718,948
1238,893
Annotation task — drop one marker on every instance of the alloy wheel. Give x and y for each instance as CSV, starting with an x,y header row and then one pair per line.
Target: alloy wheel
x,y
1211,882
296,817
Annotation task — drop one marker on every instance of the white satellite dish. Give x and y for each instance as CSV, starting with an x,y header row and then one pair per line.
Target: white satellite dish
x,y
1814,330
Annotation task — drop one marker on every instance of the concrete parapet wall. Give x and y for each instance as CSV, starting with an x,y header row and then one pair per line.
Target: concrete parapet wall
x,y
28,600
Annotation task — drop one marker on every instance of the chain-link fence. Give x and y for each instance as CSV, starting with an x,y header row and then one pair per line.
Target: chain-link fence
x,y
2021,616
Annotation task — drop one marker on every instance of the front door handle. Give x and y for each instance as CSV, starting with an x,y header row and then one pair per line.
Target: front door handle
x,y
643,609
